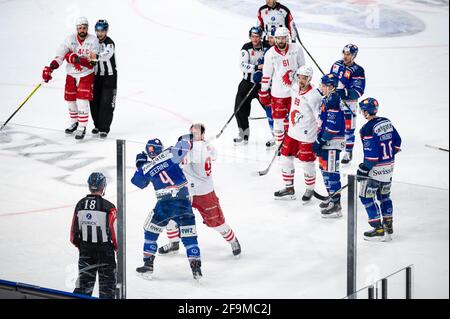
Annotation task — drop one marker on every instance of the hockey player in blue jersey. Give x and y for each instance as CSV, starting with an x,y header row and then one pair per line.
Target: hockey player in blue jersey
x,y
329,144
352,84
161,168
381,143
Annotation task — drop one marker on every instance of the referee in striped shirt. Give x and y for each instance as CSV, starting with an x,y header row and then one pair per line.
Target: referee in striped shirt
x,y
105,85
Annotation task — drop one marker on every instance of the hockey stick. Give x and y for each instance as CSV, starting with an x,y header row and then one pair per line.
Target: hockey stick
x,y
264,172
20,106
237,110
317,65
323,198
306,50
436,148
258,118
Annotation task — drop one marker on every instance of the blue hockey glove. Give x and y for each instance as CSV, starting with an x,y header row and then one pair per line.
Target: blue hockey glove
x,y
257,77
141,159
317,146
362,173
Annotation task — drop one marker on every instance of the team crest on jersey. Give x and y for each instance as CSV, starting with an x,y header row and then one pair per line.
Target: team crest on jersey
x,y
297,101
347,74
335,68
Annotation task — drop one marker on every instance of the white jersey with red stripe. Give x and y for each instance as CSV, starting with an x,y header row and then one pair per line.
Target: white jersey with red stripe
x,y
82,48
197,167
271,18
305,113
279,66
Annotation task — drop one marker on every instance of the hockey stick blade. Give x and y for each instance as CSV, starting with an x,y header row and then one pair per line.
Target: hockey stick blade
x,y
264,172
321,197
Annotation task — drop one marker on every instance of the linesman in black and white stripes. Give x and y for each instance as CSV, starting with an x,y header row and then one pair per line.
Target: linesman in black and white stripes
x,y
105,85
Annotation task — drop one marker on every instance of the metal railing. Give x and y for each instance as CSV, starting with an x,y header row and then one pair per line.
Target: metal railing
x,y
380,288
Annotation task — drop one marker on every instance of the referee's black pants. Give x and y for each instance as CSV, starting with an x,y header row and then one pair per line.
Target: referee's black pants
x,y
104,102
244,112
96,258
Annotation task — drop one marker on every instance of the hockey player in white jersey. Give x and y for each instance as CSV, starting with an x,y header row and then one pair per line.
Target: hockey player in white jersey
x,y
79,88
280,64
303,128
197,167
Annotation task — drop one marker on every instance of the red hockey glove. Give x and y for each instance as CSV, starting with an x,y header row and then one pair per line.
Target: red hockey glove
x,y
73,58
265,98
47,74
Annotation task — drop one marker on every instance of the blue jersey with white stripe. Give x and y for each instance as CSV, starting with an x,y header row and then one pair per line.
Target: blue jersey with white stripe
x,y
352,77
164,171
381,142
332,119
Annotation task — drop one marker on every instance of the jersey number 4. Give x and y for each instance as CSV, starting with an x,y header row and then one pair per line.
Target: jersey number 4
x,y
165,178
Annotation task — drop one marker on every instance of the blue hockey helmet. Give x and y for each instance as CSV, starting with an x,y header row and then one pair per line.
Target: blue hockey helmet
x,y
370,105
102,25
154,147
351,49
330,79
96,182
255,30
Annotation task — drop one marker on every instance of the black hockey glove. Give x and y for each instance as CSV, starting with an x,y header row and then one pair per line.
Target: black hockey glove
x,y
362,173
141,159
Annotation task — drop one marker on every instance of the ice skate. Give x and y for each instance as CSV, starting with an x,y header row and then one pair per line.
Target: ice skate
x,y
388,229
347,158
376,234
79,135
325,203
196,265
240,140
169,249
95,131
309,193
103,135
146,271
72,128
332,210
236,247
287,193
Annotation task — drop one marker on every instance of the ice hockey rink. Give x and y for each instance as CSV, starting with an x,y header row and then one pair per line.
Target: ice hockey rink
x,y
178,63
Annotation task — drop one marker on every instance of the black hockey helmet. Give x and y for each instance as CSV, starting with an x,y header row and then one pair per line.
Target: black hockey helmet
x,y
255,30
102,25
96,182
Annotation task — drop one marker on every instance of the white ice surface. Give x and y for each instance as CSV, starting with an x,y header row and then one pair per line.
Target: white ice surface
x,y
178,62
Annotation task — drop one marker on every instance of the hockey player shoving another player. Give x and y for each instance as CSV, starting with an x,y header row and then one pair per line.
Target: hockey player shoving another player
x,y
79,88
381,143
329,144
302,133
197,167
161,167
280,64
352,83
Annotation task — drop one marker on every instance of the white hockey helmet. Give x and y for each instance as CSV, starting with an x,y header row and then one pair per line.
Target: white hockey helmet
x,y
82,21
305,70
282,32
